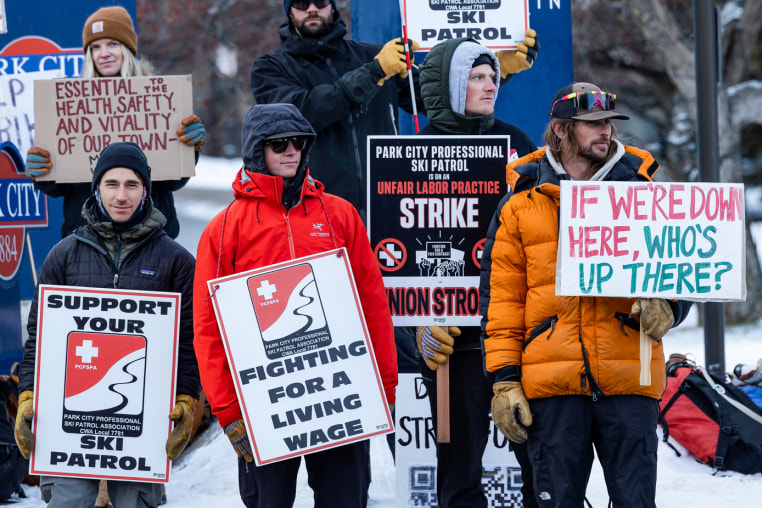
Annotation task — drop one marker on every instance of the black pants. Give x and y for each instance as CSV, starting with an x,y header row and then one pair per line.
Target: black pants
x,y
622,429
459,462
338,476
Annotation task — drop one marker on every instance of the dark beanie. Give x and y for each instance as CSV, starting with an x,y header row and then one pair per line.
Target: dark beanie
x,y
482,59
287,6
122,155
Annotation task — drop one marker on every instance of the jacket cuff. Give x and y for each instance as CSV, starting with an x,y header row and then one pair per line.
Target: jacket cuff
x,y
510,373
228,415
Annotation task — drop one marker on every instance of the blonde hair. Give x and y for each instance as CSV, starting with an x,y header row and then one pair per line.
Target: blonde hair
x,y
131,66
567,147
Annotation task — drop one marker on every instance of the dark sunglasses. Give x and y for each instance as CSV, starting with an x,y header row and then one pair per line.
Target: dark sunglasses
x,y
303,5
589,100
280,145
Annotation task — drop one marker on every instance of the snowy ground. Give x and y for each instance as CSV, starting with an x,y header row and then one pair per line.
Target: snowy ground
x,y
206,474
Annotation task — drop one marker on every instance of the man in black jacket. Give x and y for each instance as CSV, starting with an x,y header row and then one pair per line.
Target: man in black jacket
x,y
122,246
347,90
459,83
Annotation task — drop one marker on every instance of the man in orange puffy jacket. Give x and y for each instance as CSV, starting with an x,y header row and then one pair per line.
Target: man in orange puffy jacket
x,y
566,369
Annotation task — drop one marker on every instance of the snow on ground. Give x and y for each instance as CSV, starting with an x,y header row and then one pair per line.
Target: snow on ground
x,y
206,474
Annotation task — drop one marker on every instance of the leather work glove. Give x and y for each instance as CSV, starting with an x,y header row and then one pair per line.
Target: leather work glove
x,y
392,58
236,432
192,132
513,61
510,410
435,343
656,316
23,429
37,162
182,415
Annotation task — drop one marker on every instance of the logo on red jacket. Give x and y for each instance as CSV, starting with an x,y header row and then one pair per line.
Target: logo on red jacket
x,y
289,311
105,384
21,206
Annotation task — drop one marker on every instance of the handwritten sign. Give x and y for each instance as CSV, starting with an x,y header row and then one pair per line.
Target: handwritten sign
x,y
430,201
496,24
83,116
662,240
301,357
98,352
17,107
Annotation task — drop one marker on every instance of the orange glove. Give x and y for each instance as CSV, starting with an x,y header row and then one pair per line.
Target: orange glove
x,y
392,58
182,415
513,61
23,428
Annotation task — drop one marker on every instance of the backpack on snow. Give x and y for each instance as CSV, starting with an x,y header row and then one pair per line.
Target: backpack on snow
x,y
716,421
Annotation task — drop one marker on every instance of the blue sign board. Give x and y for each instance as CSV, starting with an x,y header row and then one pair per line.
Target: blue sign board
x,y
525,100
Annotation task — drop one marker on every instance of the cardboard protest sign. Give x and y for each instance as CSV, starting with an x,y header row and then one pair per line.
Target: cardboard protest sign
x,y
98,351
77,118
649,239
430,201
301,357
17,107
416,460
496,24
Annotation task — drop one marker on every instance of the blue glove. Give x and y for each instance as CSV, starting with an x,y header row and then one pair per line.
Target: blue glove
x,y
192,132
37,162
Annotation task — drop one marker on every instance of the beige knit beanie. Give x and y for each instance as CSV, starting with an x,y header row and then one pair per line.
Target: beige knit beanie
x,y
110,23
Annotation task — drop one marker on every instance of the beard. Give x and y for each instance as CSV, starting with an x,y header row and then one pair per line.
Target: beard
x,y
314,32
589,153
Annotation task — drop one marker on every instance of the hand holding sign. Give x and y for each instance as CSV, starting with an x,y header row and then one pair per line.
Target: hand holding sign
x,y
520,59
192,132
38,162
656,316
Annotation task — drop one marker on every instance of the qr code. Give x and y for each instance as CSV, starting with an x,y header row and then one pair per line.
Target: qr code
x,y
501,485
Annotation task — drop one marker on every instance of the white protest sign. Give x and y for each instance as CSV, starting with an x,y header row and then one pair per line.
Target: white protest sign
x,y
416,459
17,107
301,357
98,352
496,24
83,116
648,239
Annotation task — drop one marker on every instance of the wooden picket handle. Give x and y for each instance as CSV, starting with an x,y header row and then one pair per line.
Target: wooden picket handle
x,y
443,402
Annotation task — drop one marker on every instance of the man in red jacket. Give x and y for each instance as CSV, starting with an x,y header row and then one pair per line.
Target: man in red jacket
x,y
272,219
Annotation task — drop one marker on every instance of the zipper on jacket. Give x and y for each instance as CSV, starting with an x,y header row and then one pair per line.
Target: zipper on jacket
x,y
541,328
117,253
626,321
290,235
354,138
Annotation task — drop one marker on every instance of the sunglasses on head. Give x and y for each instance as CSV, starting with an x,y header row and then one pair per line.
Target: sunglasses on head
x,y
303,5
280,145
589,100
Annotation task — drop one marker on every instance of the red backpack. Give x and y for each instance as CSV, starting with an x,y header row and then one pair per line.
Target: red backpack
x,y
716,421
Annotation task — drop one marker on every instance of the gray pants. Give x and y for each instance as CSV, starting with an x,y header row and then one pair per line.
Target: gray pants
x,y
60,492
